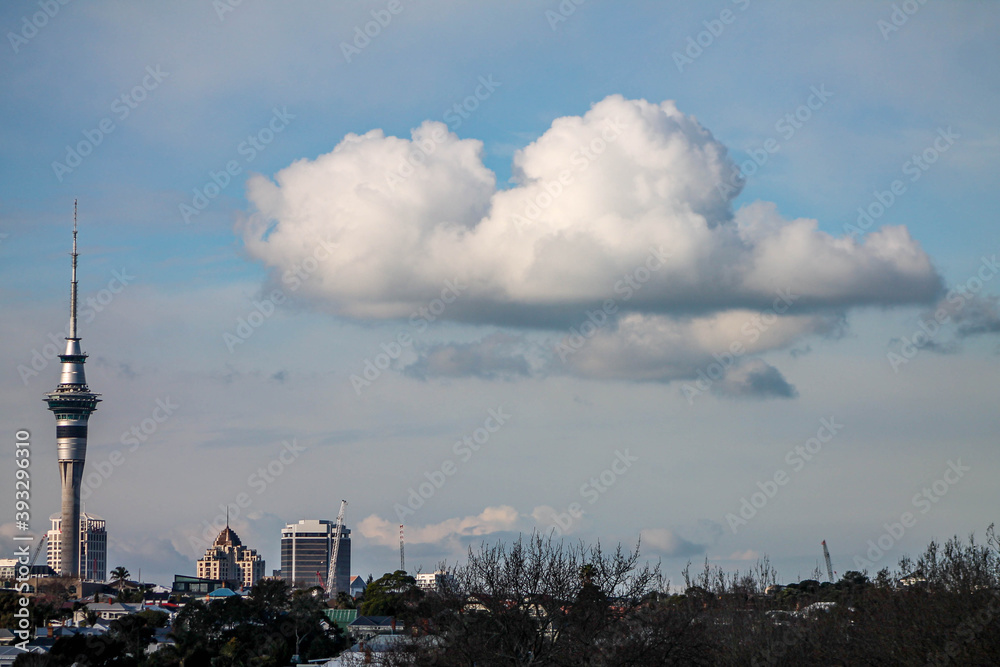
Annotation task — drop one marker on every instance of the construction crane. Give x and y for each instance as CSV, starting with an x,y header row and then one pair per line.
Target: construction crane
x,y
829,565
402,560
38,550
331,581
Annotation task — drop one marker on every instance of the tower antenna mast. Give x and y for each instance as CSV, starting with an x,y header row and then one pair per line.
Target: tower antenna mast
x,y
402,559
72,290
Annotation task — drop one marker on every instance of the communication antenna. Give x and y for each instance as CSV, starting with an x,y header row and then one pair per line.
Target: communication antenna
x,y
72,305
402,558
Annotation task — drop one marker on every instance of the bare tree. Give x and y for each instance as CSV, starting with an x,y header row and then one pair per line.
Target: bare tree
x,y
538,601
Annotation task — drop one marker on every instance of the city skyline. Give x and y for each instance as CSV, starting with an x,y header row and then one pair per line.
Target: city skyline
x,y
613,272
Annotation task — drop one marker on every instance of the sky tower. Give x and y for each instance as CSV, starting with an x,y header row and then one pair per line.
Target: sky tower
x,y
72,402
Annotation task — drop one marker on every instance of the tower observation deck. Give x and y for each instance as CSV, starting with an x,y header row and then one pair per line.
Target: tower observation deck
x,y
72,402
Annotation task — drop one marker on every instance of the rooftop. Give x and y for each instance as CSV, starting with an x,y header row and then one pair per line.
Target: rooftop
x,y
227,537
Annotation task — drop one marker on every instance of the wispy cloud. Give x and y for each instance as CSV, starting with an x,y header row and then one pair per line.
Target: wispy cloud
x,y
491,520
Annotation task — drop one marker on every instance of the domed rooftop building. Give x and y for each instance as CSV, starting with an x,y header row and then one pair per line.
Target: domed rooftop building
x,y
228,560
227,538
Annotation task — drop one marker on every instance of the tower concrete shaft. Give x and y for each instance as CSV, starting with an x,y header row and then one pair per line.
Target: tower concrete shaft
x,y
72,403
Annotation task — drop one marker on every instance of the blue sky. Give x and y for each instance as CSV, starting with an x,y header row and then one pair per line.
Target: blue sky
x,y
199,82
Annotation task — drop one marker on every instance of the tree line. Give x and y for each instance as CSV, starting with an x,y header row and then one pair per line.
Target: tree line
x,y
264,629
539,602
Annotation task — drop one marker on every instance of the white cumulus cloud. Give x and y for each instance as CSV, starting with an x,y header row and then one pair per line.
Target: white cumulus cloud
x,y
622,203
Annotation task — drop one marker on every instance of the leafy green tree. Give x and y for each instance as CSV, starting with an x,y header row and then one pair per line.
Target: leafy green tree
x,y
387,595
32,660
90,651
314,636
265,628
853,578
154,618
343,601
133,632
134,595
269,598
8,605
197,629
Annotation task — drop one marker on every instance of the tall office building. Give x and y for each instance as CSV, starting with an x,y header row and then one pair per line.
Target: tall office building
x,y
306,549
93,552
72,403
228,560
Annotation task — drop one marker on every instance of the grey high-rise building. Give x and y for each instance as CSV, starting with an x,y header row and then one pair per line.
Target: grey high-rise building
x,y
72,403
306,549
